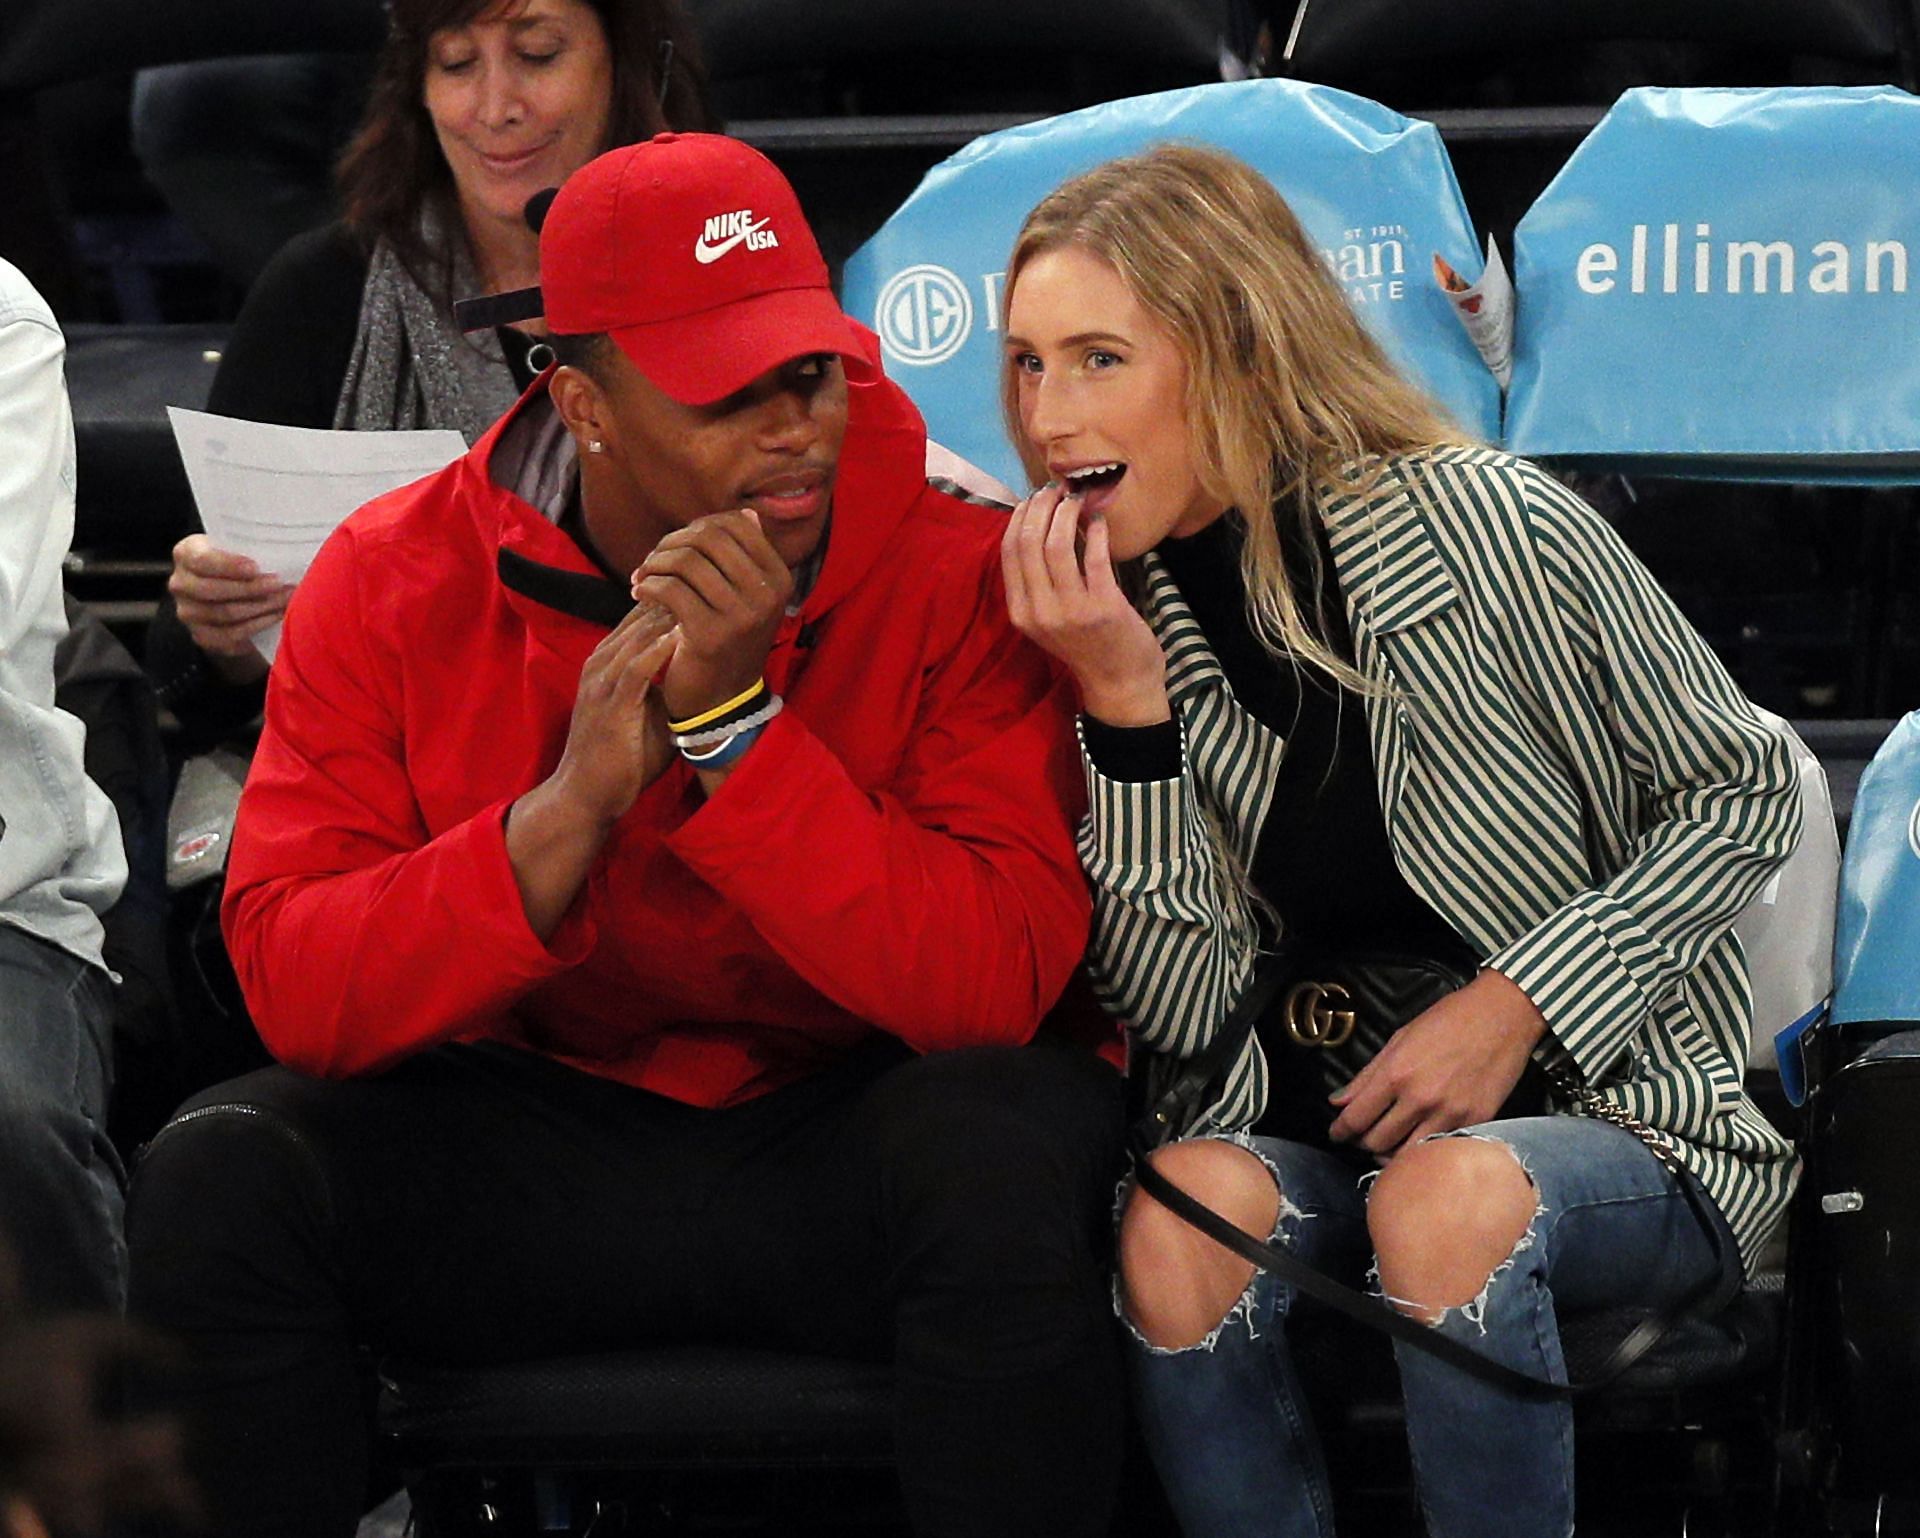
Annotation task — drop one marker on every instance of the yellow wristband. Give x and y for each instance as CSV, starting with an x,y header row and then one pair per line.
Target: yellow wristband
x,y
694,723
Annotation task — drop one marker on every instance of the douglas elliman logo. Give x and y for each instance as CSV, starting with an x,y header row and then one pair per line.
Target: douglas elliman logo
x,y
925,314
1670,259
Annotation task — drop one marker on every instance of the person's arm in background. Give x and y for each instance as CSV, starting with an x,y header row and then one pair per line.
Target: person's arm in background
x,y
283,363
289,349
55,825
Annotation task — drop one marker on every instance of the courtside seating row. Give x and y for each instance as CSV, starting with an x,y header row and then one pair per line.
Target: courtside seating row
x,y
658,1410
1709,1387
582,1439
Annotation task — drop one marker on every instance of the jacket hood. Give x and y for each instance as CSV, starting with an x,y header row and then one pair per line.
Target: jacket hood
x,y
881,473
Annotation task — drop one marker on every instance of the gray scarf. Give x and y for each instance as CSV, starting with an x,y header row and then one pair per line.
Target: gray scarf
x,y
410,367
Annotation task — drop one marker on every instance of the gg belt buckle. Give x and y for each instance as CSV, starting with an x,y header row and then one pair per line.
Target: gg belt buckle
x,y
1311,1019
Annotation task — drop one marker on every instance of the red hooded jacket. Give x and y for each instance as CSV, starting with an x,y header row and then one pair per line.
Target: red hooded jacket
x,y
895,853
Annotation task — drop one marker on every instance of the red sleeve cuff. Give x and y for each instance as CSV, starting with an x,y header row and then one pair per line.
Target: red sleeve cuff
x,y
497,892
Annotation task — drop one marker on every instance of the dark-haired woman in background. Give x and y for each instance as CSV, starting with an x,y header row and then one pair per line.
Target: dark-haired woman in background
x,y
476,105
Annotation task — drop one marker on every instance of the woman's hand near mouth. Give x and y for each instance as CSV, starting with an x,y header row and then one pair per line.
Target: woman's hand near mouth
x,y
1063,595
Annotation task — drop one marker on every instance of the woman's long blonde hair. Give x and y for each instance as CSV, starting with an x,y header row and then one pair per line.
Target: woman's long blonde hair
x,y
1286,390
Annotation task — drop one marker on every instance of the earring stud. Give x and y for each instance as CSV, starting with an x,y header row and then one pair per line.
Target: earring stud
x,y
595,446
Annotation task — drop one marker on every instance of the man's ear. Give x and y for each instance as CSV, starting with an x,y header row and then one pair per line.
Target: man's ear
x,y
582,403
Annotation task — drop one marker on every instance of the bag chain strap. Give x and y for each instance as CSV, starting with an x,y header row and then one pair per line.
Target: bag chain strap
x,y
1596,1105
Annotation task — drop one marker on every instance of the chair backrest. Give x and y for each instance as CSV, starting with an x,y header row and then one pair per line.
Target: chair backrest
x,y
1339,39
133,501
51,42
746,37
1876,949
1787,931
1374,190
1727,283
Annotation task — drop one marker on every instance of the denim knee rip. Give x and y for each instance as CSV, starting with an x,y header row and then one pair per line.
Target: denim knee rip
x,y
1474,1310
1242,1310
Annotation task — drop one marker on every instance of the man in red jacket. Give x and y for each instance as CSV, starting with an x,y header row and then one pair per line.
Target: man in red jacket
x,y
668,969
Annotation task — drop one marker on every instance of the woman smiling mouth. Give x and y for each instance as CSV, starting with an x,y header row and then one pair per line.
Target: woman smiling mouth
x,y
517,161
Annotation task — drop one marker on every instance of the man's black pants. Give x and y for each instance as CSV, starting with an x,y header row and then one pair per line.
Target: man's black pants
x,y
479,1204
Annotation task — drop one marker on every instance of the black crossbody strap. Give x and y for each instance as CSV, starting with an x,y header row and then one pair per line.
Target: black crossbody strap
x,y
1379,1315
1199,1076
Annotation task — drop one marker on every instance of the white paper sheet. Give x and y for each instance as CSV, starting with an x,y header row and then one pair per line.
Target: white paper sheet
x,y
1485,308
275,493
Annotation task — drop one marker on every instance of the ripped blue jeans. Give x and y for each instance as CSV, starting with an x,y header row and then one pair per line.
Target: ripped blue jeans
x,y
1227,1420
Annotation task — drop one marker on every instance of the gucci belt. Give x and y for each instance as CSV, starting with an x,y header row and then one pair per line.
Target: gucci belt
x,y
1310,1015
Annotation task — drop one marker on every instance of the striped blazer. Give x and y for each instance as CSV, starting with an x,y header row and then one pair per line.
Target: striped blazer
x,y
1568,777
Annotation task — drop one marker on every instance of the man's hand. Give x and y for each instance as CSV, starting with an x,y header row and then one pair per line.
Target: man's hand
x,y
727,589
1451,1066
617,745
617,741
225,600
1068,601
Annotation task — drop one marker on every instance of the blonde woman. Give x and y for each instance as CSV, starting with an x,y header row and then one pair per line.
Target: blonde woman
x,y
1349,678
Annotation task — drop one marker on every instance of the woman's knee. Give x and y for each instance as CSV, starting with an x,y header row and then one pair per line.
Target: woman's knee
x,y
1176,1283
1444,1216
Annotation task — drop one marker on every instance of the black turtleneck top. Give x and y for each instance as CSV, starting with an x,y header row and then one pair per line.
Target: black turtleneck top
x,y
1323,862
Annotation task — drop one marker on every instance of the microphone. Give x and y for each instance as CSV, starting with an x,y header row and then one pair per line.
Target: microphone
x,y
535,213
490,310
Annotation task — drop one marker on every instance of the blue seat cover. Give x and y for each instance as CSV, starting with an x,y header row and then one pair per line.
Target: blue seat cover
x,y
1373,189
1727,283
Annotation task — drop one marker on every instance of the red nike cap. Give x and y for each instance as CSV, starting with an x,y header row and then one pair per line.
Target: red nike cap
x,y
691,252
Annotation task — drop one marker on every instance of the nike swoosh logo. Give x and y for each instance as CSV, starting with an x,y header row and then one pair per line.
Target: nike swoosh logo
x,y
704,253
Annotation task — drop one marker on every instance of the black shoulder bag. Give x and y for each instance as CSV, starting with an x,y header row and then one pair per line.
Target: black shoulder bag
x,y
1374,995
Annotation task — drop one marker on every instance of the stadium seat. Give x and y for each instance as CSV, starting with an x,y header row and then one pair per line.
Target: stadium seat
x,y
132,501
659,1408
1849,1413
929,279
50,42
1355,41
855,99
910,56
562,1434
47,44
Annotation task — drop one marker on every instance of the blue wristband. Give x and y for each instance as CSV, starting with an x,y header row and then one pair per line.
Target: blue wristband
x,y
728,753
